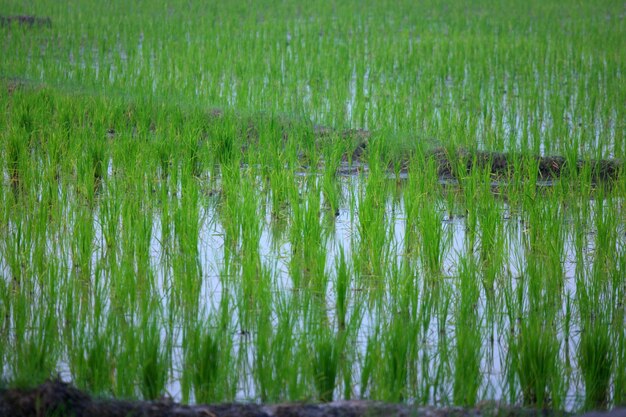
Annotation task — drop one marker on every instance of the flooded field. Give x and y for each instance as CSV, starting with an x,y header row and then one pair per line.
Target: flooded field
x,y
309,203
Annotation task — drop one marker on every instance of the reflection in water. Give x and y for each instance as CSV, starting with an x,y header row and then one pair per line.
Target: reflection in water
x,y
231,257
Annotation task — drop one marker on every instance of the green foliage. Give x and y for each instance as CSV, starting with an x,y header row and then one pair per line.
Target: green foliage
x,y
538,366
325,364
252,203
596,359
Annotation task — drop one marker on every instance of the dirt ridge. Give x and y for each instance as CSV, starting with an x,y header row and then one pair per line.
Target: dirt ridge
x,y
459,161
504,165
58,398
26,20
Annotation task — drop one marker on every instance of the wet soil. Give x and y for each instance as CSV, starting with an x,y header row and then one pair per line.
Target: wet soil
x,y
455,163
505,165
56,398
26,20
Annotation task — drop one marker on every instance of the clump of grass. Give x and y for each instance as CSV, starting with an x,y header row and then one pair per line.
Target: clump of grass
x,y
397,348
91,361
154,363
596,361
325,364
35,353
16,151
342,286
537,365
371,359
467,379
206,357
432,237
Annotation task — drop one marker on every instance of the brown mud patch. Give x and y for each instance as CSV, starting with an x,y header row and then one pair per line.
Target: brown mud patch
x,y
26,20
459,162
452,164
56,398
501,166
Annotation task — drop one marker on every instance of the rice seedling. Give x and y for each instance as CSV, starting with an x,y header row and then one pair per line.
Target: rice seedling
x,y
537,360
468,338
325,364
317,201
595,356
153,360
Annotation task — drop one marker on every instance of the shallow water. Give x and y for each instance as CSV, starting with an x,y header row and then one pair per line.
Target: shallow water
x,y
372,298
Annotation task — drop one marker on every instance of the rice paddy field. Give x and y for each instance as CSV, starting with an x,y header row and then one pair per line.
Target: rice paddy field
x,y
239,201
